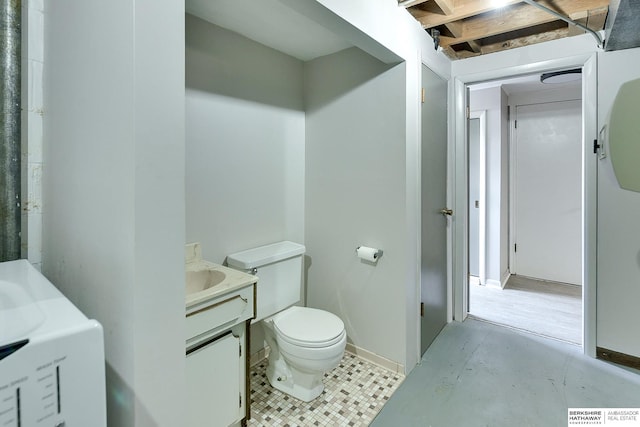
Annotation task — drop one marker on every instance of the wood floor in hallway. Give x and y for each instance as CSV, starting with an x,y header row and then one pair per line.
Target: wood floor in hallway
x,y
545,308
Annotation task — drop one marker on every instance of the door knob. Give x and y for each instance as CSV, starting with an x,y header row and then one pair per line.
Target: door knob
x,y
446,212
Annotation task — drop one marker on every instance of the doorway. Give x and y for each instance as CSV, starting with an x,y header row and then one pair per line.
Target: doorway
x,y
516,259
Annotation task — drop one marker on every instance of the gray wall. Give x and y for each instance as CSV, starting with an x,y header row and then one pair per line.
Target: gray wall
x,y
245,130
113,231
245,142
355,195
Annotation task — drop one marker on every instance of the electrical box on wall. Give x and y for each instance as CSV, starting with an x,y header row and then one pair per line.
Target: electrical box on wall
x,y
623,136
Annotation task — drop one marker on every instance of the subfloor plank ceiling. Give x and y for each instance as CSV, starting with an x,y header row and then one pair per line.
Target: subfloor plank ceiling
x,y
475,27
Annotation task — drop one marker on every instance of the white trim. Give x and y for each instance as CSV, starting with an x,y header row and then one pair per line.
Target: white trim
x,y
383,362
259,356
460,273
590,207
512,196
505,278
482,213
460,223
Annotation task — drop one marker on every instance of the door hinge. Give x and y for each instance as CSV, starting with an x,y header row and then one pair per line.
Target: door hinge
x,y
508,112
240,400
422,95
515,124
240,349
596,146
468,112
421,309
515,247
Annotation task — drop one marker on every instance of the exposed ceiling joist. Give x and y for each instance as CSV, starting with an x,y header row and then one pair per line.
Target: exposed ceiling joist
x,y
475,27
429,15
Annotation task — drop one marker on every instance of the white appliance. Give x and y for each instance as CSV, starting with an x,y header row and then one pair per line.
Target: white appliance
x,y
52,370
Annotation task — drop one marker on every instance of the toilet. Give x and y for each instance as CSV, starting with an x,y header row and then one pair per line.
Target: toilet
x,y
304,342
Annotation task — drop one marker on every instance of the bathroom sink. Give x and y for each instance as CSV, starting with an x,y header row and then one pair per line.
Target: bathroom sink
x,y
205,281
199,280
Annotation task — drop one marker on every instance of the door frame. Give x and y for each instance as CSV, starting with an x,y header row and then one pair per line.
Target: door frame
x,y
481,115
460,271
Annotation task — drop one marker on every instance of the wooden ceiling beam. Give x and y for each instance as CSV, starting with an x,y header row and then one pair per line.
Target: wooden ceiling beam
x,y
594,19
516,17
462,9
455,28
475,46
430,17
447,6
409,3
525,41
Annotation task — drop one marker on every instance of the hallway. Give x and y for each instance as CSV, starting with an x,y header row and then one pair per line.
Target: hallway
x,y
550,309
479,374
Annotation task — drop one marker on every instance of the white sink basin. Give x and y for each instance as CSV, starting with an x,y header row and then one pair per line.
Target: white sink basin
x,y
205,281
198,281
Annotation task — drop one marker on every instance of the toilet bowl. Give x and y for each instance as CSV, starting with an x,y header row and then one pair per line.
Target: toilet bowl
x,y
305,343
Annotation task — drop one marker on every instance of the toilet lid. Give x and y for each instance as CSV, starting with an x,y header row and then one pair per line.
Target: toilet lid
x,y
309,327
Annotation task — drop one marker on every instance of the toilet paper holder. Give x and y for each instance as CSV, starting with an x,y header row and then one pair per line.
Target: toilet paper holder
x,y
369,254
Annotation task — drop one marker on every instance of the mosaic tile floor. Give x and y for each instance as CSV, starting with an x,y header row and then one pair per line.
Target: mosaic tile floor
x,y
353,395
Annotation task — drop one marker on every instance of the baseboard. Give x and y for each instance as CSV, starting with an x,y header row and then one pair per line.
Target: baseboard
x,y
505,278
491,283
383,362
259,356
618,358
376,359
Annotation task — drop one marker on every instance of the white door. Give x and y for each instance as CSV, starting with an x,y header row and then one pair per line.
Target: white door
x,y
434,197
547,196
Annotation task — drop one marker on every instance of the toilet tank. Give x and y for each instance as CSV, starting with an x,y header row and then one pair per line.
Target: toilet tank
x,y
279,270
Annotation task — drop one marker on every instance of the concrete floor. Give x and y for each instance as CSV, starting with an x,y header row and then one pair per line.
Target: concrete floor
x,y
479,374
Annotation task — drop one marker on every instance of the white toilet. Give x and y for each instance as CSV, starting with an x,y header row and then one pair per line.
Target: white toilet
x,y
305,342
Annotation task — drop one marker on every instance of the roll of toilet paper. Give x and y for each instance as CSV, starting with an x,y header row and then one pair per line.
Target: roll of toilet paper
x,y
368,254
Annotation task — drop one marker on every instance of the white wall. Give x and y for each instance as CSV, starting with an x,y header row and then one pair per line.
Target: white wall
x,y
493,101
32,102
113,230
245,142
355,195
618,228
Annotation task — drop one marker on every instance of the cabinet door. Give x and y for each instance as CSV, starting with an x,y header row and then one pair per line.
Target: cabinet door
x,y
213,372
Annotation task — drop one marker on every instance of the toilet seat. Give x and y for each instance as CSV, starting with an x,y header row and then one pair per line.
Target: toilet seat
x,y
309,327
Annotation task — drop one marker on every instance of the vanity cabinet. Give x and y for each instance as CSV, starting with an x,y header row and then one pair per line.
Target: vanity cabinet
x,y
217,359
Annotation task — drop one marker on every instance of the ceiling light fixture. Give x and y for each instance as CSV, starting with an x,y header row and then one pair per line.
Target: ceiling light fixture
x,y
563,76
